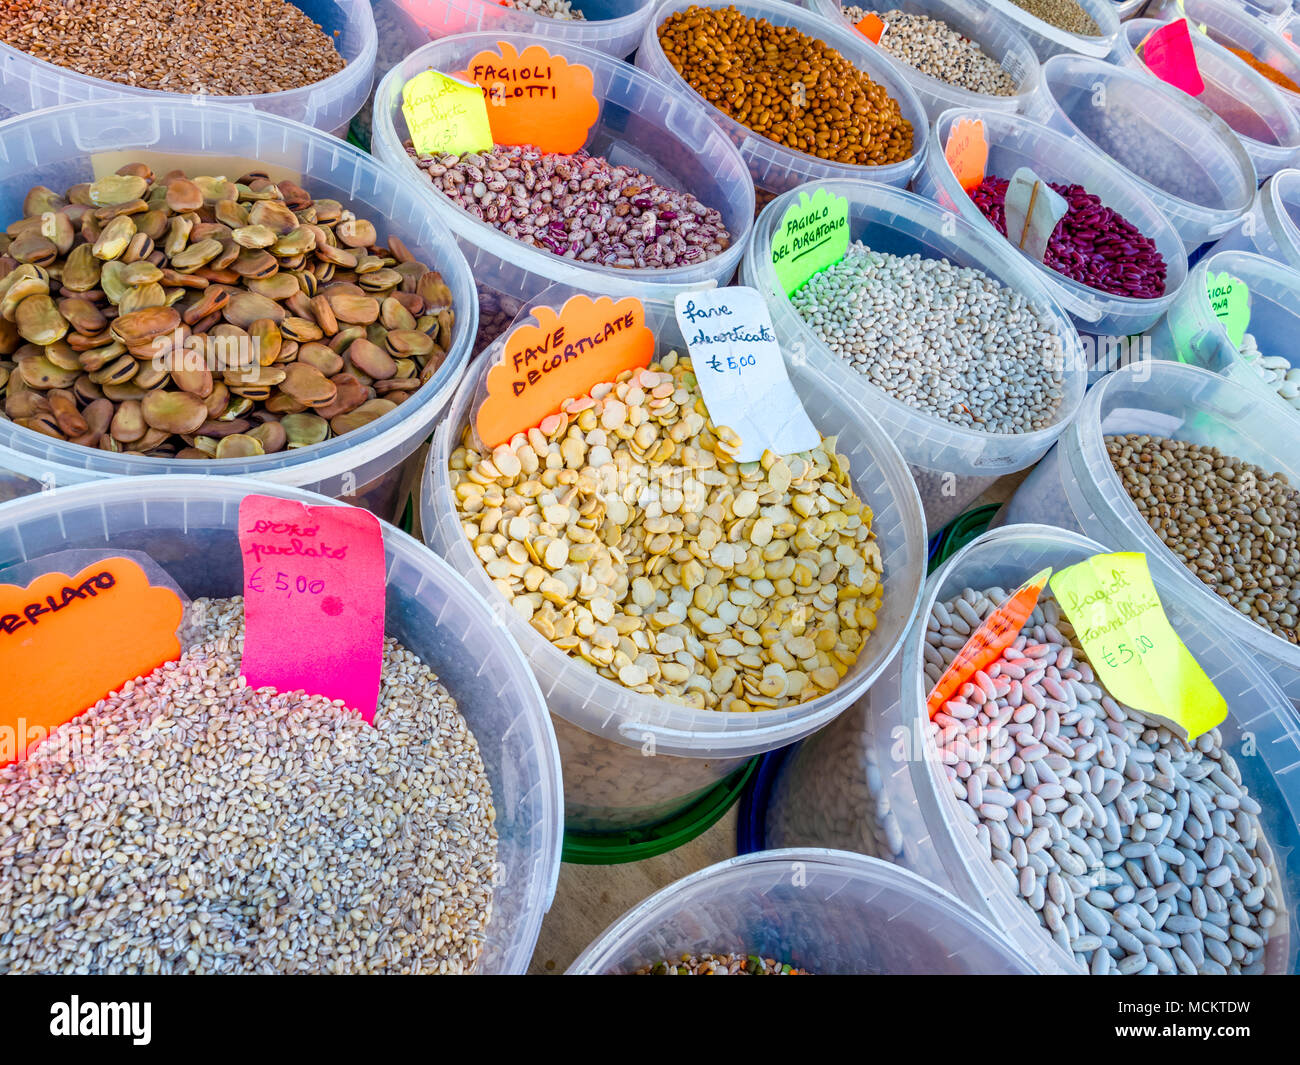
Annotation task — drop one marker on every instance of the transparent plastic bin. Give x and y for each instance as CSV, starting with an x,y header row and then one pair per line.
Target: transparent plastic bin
x,y
829,912
58,147
633,760
30,84
642,123
1272,225
1176,150
773,166
996,35
1191,332
1075,486
871,782
1127,9
1016,141
952,465
1048,40
188,526
1248,102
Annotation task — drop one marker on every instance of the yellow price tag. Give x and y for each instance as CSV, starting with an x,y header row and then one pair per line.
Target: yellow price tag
x,y
1121,624
445,114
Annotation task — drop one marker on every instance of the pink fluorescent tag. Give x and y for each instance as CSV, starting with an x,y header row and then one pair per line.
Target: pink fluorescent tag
x,y
313,600
1169,55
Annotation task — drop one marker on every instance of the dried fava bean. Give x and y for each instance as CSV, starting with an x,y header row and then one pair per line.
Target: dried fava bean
x,y
625,533
939,51
1274,369
201,826
556,9
1067,15
1232,524
579,206
720,965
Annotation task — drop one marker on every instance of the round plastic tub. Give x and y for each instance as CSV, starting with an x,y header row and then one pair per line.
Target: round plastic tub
x,y
872,782
1192,333
1248,102
642,123
996,35
59,148
824,911
606,731
1127,9
1176,150
611,26
1016,141
773,166
30,84
1076,487
952,465
1048,40
188,526
1272,226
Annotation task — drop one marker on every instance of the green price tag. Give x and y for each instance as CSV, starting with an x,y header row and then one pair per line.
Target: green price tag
x,y
1230,299
445,114
813,234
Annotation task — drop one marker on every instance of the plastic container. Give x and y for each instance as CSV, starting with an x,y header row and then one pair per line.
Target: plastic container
x,y
606,731
996,35
1015,141
30,84
1048,40
1076,487
1272,226
828,912
58,148
1127,9
1192,333
952,465
188,526
871,782
773,166
1176,150
1251,105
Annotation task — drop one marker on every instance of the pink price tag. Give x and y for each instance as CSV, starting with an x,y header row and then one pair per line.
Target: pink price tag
x,y
1170,56
313,599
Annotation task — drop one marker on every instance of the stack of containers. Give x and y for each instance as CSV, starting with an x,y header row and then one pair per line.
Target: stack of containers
x,y
996,35
29,84
1177,151
60,147
952,464
189,527
874,782
1049,40
632,761
1272,226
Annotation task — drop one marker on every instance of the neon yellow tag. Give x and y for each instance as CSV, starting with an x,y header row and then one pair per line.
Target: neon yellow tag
x,y
1230,301
1137,655
445,115
812,235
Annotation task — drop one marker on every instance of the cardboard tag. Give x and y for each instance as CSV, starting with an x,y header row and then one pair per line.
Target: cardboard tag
x,y
986,644
559,358
314,589
872,27
967,151
1033,208
1169,55
1230,300
535,98
445,115
1120,623
812,235
67,641
741,373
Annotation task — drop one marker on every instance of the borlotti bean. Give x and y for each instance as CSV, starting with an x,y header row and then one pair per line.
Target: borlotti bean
x,y
626,533
1275,370
948,340
1136,851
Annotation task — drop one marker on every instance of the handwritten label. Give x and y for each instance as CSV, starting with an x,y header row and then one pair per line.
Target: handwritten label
x,y
67,641
313,599
872,27
1121,624
741,373
1169,55
445,115
812,235
986,644
559,358
536,98
1033,208
967,151
1230,300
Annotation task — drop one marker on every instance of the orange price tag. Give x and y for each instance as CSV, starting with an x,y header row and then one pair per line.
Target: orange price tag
x,y
987,643
535,98
66,642
967,151
872,27
561,357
